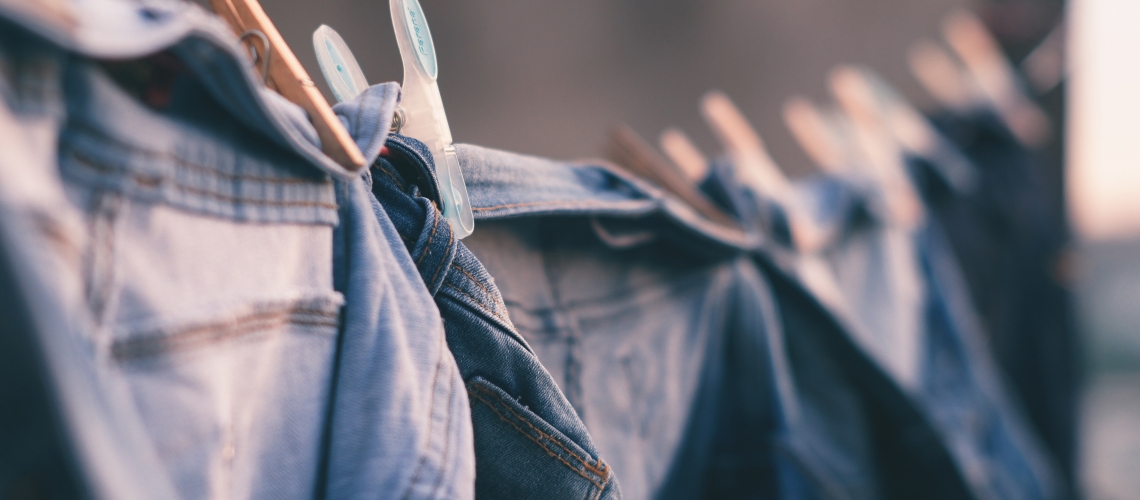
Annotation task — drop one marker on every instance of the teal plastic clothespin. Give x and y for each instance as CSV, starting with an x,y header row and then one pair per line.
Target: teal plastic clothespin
x,y
421,115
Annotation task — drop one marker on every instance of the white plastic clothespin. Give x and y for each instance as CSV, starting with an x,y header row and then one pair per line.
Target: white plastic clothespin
x,y
421,115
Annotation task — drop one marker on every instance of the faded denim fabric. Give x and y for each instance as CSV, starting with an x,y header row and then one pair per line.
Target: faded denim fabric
x,y
1011,244
644,313
181,256
664,357
529,443
68,428
955,384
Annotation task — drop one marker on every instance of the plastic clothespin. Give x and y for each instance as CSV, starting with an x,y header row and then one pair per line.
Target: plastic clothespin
x,y
422,115
996,76
284,73
679,148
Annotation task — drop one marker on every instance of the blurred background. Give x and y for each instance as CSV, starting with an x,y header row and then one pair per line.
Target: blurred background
x,y
552,78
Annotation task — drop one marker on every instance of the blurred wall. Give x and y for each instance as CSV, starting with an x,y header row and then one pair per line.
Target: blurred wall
x,y
552,78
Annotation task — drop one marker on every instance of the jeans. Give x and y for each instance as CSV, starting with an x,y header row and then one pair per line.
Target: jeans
x,y
190,269
529,442
1010,242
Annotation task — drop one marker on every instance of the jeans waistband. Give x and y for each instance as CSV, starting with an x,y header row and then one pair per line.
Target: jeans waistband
x,y
112,142
124,29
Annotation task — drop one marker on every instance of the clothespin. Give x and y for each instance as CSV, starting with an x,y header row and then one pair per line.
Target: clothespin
x,y
630,151
421,114
914,133
1045,66
882,152
755,167
283,72
943,78
816,137
996,77
679,148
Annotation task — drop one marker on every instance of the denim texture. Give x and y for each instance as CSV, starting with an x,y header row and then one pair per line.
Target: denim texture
x,y
645,314
1011,243
955,385
529,442
185,262
68,428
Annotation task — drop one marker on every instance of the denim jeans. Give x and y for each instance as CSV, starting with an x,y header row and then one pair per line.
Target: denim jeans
x,y
955,384
190,259
529,442
1010,242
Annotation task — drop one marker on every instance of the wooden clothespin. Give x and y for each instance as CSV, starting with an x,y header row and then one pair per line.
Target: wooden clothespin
x,y
286,75
630,151
679,148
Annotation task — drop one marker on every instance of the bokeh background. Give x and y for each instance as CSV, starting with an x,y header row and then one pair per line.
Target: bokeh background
x,y
553,77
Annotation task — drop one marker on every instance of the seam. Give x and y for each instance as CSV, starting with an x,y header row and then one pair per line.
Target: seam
x,y
431,428
177,185
439,269
132,149
447,427
602,472
399,182
153,344
427,247
472,278
478,303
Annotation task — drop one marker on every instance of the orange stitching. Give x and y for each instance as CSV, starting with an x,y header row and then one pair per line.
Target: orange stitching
x,y
477,302
131,149
450,248
104,168
472,278
427,247
399,182
152,343
585,463
539,443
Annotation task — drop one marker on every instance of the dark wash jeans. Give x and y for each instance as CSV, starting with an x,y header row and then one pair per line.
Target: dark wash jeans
x,y
1008,237
529,442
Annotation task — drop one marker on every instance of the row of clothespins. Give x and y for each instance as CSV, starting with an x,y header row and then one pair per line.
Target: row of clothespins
x,y
871,127
421,114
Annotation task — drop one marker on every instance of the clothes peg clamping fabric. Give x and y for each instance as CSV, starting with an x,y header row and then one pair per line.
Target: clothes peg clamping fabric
x,y
882,152
809,128
421,115
943,78
997,77
756,169
630,151
679,148
285,74
915,134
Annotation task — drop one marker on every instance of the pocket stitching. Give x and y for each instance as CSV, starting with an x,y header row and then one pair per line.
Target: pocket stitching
x,y
603,472
155,342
